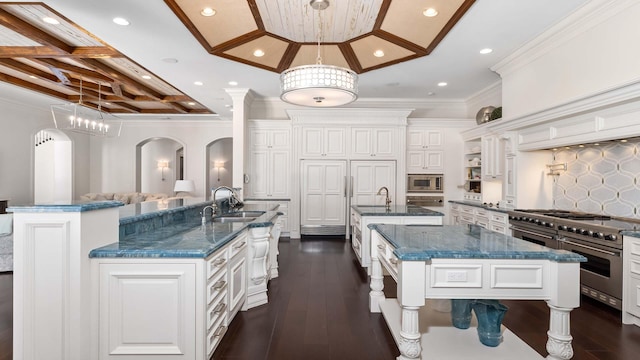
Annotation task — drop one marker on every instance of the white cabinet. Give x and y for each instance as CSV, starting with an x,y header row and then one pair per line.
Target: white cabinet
x,y
170,308
269,163
376,143
423,139
631,280
323,193
324,142
492,157
509,182
497,221
419,161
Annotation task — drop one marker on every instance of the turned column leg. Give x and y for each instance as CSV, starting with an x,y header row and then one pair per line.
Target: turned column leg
x,y
409,344
377,285
559,342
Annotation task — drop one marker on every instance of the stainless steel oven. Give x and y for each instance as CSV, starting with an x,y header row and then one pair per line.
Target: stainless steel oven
x,y
537,237
425,183
425,200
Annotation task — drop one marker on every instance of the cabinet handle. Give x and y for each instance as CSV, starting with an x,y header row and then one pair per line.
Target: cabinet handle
x,y
220,330
220,308
240,245
345,186
351,188
219,285
381,247
219,262
393,261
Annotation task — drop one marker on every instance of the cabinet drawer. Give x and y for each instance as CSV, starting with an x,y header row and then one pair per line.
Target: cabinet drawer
x,y
482,212
216,286
467,218
214,335
388,259
217,263
217,310
499,218
238,245
455,207
482,221
498,228
467,210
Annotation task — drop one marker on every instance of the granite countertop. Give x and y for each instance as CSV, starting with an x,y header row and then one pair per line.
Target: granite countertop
x,y
479,205
184,240
394,210
64,206
132,212
424,242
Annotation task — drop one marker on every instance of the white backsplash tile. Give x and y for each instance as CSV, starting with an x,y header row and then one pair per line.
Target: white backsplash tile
x,y
600,179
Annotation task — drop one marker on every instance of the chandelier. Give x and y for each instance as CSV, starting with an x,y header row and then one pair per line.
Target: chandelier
x,y
78,118
319,85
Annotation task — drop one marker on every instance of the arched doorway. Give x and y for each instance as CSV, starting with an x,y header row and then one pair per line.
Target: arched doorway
x,y
159,163
219,164
53,167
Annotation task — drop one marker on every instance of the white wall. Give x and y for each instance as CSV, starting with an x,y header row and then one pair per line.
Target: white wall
x,y
21,118
594,50
152,179
221,150
113,165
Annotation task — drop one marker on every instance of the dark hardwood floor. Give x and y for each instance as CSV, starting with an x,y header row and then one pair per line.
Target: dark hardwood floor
x,y
318,309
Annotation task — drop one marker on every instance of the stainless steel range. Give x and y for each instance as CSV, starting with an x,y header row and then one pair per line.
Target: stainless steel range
x,y
596,237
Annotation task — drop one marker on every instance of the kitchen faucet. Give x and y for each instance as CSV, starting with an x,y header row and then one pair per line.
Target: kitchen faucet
x,y
387,200
203,213
233,198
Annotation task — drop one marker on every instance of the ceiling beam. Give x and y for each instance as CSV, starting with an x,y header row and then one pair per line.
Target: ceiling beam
x,y
49,52
74,69
31,86
21,27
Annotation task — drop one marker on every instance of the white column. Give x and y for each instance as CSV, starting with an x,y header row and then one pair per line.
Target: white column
x,y
376,295
242,99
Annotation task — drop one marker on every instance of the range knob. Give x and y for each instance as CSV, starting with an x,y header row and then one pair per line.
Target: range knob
x,y
532,220
562,227
598,235
590,233
537,222
582,231
543,223
572,229
611,237
550,225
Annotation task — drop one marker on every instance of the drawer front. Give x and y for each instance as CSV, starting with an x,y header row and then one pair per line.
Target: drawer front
x,y
482,212
217,263
214,335
217,310
238,245
467,210
498,228
499,218
482,221
455,207
217,285
456,276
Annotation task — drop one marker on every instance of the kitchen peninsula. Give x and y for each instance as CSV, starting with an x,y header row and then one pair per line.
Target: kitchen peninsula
x,y
99,281
363,215
468,262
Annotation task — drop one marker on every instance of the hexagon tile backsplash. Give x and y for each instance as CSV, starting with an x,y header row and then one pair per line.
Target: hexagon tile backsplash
x,y
601,179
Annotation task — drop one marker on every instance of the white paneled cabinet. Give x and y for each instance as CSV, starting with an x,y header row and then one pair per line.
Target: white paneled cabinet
x,y
424,139
324,142
497,221
269,163
378,143
492,157
323,193
420,161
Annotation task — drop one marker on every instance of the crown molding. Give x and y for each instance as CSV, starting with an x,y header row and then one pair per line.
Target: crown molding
x,y
350,116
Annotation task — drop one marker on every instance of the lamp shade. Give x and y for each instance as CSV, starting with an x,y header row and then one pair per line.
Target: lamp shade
x,y
184,185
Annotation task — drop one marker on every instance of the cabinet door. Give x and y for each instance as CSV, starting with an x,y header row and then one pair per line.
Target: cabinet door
x,y
259,173
237,283
492,157
278,173
433,161
367,177
424,139
280,139
361,143
259,138
384,144
415,161
312,142
323,198
335,143
509,183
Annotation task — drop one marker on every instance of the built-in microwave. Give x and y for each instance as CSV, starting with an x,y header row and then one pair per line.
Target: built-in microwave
x,y
425,183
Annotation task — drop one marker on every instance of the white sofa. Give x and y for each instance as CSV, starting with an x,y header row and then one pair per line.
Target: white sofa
x,y
126,198
6,242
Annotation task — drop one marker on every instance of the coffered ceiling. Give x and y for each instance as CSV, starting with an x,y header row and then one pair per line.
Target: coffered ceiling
x,y
168,41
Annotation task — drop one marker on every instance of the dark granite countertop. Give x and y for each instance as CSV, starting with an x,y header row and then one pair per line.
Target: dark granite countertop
x,y
426,242
394,210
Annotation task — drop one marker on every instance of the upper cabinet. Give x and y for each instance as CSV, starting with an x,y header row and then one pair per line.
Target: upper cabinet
x,y
424,139
269,162
492,157
424,151
374,143
324,142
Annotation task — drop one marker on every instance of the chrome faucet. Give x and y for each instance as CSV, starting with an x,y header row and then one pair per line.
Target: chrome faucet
x,y
387,200
233,198
203,213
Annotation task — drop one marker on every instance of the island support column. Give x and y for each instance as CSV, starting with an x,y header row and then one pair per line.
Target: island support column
x,y
565,297
257,267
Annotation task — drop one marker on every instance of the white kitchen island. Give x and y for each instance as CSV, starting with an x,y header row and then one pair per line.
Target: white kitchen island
x,y
468,262
363,215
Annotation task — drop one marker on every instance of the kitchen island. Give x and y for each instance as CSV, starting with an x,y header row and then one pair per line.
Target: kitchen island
x,y
94,281
363,215
468,262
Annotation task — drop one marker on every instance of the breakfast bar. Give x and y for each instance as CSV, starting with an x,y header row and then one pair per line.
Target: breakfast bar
x,y
468,262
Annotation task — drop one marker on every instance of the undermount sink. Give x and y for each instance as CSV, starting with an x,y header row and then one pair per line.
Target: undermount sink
x,y
238,216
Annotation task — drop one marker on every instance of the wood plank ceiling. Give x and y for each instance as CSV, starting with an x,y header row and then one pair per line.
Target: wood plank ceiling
x,y
362,35
65,61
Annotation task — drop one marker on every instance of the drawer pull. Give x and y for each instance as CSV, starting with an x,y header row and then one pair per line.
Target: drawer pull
x,y
393,261
241,244
380,246
219,285
220,308
219,262
220,330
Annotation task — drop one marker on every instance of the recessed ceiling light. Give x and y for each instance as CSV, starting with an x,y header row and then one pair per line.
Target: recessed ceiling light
x,y
486,51
50,20
170,60
207,12
442,84
430,93
258,53
555,149
233,83
567,147
581,145
596,144
430,12
378,53
146,77
33,76
107,103
191,103
121,21
199,83
623,140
